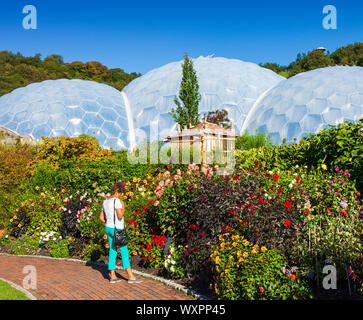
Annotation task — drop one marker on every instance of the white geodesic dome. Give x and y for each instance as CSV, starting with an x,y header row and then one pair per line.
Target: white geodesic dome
x,y
307,103
229,84
67,107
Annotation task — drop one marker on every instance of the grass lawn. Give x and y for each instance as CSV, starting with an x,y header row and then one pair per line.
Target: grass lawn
x,y
7,292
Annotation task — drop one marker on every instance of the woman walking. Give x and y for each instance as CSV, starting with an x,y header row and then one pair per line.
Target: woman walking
x,y
113,210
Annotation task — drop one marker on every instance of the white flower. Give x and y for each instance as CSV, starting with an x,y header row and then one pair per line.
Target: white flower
x,y
173,262
290,185
54,239
7,236
297,166
172,269
172,250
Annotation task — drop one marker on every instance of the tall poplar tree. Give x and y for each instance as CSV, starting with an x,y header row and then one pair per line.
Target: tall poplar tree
x,y
186,111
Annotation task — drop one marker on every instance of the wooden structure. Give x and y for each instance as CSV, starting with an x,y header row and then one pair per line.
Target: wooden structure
x,y
205,137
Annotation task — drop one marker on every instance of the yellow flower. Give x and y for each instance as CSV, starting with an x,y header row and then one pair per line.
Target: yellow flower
x,y
324,166
128,183
246,243
239,254
240,260
234,244
37,188
263,249
245,254
11,220
226,271
253,251
15,217
134,179
231,258
218,260
19,225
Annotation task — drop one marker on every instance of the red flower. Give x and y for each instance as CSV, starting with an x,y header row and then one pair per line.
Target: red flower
x,y
150,258
307,211
203,199
298,226
225,191
288,204
275,177
145,258
187,253
260,200
203,234
256,163
287,223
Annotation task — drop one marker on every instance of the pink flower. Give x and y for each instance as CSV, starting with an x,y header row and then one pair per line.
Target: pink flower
x,y
156,203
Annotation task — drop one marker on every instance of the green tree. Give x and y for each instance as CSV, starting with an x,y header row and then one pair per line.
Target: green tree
x,y
219,117
186,111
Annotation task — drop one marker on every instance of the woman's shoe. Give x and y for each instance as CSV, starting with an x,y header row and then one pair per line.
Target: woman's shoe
x,y
137,280
114,280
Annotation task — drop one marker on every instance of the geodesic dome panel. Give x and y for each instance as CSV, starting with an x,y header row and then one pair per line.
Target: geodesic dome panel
x,y
228,84
67,107
307,103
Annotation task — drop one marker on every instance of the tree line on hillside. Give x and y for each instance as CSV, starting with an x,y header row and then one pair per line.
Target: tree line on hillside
x,y
19,71
351,55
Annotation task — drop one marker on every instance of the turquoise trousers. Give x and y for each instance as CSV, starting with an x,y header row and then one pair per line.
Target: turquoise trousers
x,y
112,255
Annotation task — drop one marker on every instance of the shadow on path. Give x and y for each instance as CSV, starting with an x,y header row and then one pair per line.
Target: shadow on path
x,y
103,270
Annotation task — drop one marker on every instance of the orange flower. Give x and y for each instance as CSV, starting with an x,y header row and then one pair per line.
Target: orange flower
x,y
262,290
292,277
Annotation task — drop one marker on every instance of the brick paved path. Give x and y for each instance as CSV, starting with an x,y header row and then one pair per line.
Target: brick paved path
x,y
65,280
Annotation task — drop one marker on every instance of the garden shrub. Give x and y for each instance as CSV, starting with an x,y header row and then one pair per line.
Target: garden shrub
x,y
14,171
54,150
59,250
340,145
26,244
243,271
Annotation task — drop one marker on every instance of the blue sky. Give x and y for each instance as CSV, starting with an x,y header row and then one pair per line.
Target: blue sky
x,y
138,35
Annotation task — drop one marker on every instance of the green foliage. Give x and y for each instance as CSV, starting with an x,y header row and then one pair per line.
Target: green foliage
x,y
25,245
351,55
54,150
247,141
186,111
59,250
219,117
18,71
340,145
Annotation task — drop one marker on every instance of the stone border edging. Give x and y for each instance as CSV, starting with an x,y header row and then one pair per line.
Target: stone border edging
x,y
19,288
168,283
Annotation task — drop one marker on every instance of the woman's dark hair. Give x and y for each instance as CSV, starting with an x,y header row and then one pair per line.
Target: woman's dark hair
x,y
116,188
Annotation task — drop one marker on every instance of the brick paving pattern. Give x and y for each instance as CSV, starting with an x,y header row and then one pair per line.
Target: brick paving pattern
x,y
66,280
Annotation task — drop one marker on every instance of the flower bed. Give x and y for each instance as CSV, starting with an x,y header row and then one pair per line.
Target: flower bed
x,y
187,224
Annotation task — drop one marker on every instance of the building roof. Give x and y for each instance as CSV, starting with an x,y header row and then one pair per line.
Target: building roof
x,y
202,129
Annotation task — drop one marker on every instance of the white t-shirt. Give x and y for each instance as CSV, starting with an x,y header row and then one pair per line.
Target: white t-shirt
x,y
108,208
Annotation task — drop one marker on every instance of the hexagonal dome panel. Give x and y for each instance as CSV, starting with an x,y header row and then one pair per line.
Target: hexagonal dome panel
x,y
67,107
223,83
310,101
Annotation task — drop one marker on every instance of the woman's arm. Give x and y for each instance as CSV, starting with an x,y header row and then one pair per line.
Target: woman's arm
x,y
121,211
103,217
